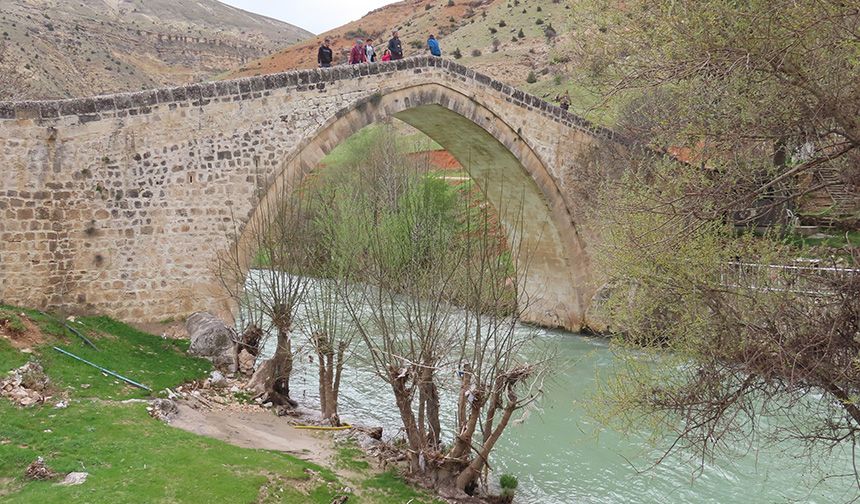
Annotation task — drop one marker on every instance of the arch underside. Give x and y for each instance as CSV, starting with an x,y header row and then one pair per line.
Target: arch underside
x,y
506,169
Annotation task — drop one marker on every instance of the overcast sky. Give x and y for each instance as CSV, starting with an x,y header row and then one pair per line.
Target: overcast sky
x,y
313,15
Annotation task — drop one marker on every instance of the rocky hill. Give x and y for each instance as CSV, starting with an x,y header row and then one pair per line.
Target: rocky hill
x,y
522,42
63,48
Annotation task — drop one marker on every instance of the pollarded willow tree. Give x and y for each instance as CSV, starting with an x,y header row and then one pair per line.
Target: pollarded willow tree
x,y
266,275
756,97
440,296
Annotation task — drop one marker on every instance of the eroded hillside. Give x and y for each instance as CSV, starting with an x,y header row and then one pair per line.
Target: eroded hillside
x,y
59,48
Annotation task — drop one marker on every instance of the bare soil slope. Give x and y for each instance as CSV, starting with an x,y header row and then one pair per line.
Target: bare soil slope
x,y
60,48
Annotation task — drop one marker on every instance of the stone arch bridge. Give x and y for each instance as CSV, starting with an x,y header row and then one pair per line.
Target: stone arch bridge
x,y
121,204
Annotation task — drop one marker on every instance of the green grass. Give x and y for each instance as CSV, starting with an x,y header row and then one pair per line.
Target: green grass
x,y
11,320
10,358
350,456
392,486
155,362
134,458
836,240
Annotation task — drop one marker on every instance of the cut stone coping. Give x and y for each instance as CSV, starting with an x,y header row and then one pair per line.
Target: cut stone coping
x,y
245,88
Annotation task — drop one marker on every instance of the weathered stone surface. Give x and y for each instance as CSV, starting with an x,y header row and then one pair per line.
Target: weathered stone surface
x,y
246,362
211,339
74,478
137,192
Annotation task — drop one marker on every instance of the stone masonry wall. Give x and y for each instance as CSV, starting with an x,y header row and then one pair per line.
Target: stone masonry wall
x,y
120,203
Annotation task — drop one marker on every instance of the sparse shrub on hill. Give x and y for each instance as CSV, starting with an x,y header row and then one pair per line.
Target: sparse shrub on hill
x,y
457,54
476,52
450,3
502,24
357,33
496,45
520,34
532,78
539,21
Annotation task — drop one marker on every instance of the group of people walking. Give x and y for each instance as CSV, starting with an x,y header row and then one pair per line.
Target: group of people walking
x,y
363,51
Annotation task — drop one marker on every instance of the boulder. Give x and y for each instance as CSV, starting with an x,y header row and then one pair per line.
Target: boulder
x,y
212,339
74,478
246,362
217,379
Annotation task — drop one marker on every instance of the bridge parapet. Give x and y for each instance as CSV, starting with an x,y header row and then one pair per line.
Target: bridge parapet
x,y
95,108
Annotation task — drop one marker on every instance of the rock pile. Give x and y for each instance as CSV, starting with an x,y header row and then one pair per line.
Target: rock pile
x,y
27,385
38,470
163,409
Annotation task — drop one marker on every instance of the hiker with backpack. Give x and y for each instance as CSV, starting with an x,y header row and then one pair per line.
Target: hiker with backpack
x,y
324,55
395,47
357,54
433,45
369,52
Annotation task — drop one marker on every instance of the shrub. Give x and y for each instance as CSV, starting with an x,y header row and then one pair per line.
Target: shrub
x,y
450,3
520,34
457,54
502,24
493,30
532,78
496,45
539,8
509,484
428,7
539,21
476,52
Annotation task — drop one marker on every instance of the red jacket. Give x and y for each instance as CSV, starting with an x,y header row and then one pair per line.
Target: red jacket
x,y
357,55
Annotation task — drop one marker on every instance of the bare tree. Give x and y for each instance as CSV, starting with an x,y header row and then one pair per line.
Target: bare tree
x,y
265,272
439,295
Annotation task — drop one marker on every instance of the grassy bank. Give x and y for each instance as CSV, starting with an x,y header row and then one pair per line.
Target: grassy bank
x,y
131,457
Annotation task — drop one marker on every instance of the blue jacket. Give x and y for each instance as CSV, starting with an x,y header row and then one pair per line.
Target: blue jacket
x,y
433,44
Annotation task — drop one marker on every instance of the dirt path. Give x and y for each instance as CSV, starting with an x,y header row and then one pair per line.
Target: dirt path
x,y
257,429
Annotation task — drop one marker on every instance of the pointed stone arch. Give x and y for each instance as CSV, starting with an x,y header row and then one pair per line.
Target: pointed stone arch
x,y
501,162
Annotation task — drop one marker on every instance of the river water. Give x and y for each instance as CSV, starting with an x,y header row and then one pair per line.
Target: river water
x,y
560,455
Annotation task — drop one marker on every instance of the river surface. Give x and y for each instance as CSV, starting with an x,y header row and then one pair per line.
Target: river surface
x,y
560,455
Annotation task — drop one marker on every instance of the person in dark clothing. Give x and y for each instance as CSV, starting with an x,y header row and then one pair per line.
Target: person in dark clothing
x,y
433,45
395,47
369,51
563,100
324,55
357,55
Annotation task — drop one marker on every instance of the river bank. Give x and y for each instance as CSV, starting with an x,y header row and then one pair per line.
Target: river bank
x,y
85,421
